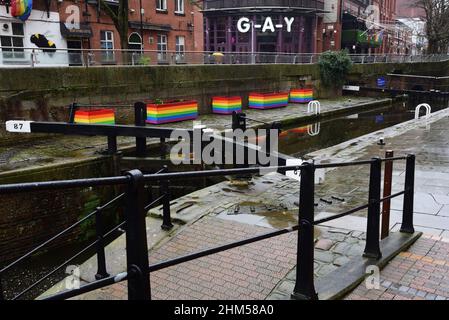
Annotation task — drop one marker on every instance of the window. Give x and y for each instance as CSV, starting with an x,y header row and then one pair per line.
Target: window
x,y
135,42
161,5
161,48
11,41
180,49
180,44
107,44
179,6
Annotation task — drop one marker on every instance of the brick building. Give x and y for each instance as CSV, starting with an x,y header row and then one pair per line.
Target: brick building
x,y
360,26
291,26
166,25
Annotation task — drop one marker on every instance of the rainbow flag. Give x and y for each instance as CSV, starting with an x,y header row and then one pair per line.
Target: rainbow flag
x,y
226,105
172,112
268,100
301,95
21,9
99,116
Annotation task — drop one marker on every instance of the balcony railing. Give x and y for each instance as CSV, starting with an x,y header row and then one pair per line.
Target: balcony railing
x,y
220,4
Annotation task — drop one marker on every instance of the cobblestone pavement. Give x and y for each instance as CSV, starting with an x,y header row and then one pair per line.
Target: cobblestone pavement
x,y
62,149
420,273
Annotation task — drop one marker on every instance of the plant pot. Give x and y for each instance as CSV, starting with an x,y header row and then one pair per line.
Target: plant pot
x,y
301,95
95,116
172,111
226,105
268,100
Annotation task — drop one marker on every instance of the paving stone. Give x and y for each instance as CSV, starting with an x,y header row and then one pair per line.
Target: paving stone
x,y
277,296
341,261
324,256
341,248
324,244
286,286
326,269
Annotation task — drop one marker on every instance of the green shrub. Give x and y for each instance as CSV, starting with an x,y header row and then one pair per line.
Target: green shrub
x,y
334,67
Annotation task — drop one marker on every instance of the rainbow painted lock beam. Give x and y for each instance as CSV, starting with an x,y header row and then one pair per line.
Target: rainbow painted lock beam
x,y
226,105
268,100
301,95
99,116
172,112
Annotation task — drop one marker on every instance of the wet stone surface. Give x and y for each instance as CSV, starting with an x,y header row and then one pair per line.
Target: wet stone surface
x,y
345,244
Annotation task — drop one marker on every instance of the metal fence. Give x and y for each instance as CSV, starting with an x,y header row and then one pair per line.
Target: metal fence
x,y
31,57
138,268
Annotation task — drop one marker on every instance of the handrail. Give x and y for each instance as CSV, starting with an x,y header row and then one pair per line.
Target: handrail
x,y
138,269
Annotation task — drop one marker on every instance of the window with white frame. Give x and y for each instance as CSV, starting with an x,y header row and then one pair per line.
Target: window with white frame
x,y
161,5
107,44
11,40
180,44
161,48
179,6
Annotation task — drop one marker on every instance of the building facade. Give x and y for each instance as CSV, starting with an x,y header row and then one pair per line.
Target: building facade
x,y
159,25
282,26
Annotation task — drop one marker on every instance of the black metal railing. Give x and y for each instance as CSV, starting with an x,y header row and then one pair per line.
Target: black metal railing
x,y
138,268
227,4
100,232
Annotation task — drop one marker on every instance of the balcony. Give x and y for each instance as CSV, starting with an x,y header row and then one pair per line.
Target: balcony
x,y
212,5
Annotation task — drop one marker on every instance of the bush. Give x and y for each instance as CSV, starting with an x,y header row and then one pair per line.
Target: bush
x,y
334,67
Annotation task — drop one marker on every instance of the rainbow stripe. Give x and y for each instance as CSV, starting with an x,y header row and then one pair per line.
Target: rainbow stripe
x,y
99,116
21,9
172,112
301,95
226,105
268,100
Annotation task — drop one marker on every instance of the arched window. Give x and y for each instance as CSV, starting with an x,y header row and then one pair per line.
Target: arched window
x,y
135,42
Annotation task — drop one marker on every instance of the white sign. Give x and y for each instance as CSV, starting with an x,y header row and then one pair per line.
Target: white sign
x,y
18,126
244,25
291,174
351,88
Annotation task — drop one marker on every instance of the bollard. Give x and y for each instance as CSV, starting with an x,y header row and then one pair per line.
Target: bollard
x,y
386,205
101,258
304,286
372,248
140,116
136,239
407,214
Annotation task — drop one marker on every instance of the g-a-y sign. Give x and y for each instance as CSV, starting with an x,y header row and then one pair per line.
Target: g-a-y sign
x,y
244,25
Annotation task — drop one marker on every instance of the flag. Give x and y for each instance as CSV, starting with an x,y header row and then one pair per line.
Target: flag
x,y
21,9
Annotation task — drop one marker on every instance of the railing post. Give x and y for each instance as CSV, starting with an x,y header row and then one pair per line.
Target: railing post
x,y
372,249
112,145
101,258
388,176
166,216
305,287
136,239
238,120
72,111
140,117
407,215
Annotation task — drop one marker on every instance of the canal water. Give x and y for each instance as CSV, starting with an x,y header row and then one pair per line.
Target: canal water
x,y
298,141
295,141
